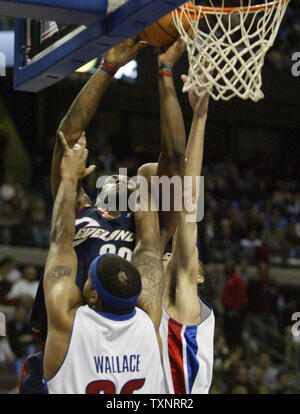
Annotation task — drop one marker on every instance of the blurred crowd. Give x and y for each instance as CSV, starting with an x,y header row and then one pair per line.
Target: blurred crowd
x,y
288,39
24,219
251,212
237,373
252,218
18,286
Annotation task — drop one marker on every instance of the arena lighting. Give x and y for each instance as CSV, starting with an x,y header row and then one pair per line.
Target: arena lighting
x,y
7,40
88,66
128,71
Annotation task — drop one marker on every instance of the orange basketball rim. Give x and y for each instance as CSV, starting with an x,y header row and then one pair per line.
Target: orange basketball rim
x,y
226,56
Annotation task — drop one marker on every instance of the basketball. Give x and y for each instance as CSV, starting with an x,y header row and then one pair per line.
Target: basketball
x,y
163,32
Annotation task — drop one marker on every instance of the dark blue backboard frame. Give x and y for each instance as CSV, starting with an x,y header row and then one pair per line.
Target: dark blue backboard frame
x,y
65,11
88,44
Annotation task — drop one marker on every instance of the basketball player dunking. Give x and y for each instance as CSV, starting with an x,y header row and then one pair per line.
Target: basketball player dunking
x,y
96,232
109,345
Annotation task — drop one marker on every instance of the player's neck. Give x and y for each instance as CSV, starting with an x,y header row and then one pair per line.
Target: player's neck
x,y
114,213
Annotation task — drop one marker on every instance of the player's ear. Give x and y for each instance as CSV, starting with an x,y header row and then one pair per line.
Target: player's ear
x,y
200,279
93,297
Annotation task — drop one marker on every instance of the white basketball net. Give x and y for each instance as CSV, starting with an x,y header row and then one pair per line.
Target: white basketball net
x,y
226,48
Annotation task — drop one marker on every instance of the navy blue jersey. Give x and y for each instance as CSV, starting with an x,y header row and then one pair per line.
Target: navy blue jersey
x,y
95,234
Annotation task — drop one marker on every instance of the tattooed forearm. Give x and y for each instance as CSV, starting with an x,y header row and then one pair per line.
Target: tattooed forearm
x,y
149,265
55,273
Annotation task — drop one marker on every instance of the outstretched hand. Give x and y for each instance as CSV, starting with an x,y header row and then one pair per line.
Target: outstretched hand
x,y
198,104
74,159
123,53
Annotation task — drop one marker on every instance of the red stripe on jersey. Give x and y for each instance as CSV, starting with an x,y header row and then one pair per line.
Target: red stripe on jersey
x,y
82,208
175,356
104,214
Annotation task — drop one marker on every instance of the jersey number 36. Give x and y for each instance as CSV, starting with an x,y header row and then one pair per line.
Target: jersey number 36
x,y
111,248
108,387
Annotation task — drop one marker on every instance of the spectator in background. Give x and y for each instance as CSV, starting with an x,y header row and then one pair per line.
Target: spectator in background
x,y
231,366
256,380
283,382
20,337
241,378
8,270
26,286
293,239
40,227
106,160
277,217
209,227
293,207
269,371
8,275
253,220
9,220
243,270
250,245
220,352
239,389
262,296
6,354
274,239
234,299
8,188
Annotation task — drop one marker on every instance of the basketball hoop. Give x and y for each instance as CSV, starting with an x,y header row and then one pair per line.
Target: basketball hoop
x,y
227,45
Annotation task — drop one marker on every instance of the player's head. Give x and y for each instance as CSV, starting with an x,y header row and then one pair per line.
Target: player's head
x,y
113,285
115,191
202,271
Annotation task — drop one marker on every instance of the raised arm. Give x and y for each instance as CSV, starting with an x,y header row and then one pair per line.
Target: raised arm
x,y
180,288
184,247
87,101
171,159
147,255
62,296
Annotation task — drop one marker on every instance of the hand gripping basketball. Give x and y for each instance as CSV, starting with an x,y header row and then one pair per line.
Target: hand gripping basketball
x,y
123,53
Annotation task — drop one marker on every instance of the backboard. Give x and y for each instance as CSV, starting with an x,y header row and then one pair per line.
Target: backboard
x,y
90,27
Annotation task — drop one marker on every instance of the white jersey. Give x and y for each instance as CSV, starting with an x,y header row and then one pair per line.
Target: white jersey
x,y
110,354
188,352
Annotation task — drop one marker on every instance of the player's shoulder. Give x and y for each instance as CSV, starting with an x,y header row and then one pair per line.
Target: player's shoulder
x,y
170,315
129,217
204,302
141,314
85,210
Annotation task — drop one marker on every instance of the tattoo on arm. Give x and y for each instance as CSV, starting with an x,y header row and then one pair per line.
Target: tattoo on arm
x,y
150,267
55,273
